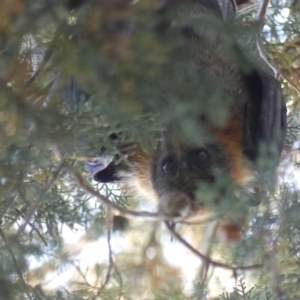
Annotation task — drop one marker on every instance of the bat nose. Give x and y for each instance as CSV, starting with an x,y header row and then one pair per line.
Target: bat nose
x,y
98,164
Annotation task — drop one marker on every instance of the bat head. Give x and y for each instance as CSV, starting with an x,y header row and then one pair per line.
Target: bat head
x,y
179,169
172,175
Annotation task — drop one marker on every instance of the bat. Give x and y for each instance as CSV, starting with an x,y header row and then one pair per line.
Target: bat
x,y
173,174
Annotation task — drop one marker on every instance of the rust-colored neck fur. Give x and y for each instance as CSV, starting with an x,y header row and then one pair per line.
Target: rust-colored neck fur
x,y
232,138
142,181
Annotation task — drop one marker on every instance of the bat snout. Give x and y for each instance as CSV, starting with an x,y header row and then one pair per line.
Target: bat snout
x,y
98,164
101,169
174,205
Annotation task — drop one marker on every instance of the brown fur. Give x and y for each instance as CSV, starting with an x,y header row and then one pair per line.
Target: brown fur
x,y
141,182
232,138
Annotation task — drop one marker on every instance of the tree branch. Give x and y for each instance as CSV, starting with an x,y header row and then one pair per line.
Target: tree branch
x,y
123,211
274,270
206,247
33,227
247,9
260,19
262,11
206,259
291,84
109,226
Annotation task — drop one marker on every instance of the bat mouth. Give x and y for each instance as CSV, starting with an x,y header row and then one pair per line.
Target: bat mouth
x,y
102,169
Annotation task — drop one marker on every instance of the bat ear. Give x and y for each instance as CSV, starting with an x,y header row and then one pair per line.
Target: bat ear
x,y
102,169
265,116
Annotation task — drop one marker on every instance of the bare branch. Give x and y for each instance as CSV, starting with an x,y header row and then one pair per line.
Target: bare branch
x,y
81,273
206,259
109,226
247,9
123,211
33,227
260,19
262,11
274,270
291,84
206,247
264,56
38,233
47,55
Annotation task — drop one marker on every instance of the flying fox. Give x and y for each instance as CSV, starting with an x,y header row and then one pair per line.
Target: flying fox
x,y
255,127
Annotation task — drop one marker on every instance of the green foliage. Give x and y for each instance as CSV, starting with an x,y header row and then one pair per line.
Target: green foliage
x,y
248,294
71,74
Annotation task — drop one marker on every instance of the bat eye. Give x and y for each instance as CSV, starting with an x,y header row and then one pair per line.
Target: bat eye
x,y
167,165
201,153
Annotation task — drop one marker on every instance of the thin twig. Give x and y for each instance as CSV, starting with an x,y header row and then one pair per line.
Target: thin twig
x,y
273,265
35,205
207,260
109,226
151,240
206,247
112,265
260,19
264,56
38,233
11,204
291,84
262,11
19,272
33,227
247,9
81,273
123,211
47,55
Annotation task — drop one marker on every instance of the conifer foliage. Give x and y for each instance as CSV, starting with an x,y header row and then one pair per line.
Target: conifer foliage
x,y
73,74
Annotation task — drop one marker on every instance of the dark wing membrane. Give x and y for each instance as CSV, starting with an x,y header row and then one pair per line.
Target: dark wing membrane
x,y
264,116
